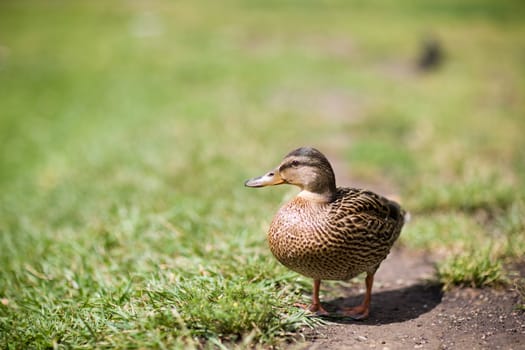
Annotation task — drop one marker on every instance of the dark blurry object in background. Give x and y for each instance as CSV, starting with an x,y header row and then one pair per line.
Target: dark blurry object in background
x,y
431,55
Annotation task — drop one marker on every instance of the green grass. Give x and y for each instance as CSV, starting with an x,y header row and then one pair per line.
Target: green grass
x,y
474,269
126,132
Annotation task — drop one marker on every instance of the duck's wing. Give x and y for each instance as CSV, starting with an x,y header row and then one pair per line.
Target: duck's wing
x,y
366,216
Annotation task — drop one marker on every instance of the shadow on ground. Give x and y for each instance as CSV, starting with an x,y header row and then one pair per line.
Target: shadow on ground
x,y
391,306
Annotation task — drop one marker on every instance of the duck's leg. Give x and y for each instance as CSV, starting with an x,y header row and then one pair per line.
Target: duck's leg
x,y
316,303
360,312
316,306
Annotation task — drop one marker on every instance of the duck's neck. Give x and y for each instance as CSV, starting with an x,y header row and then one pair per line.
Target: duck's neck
x,y
321,198
321,188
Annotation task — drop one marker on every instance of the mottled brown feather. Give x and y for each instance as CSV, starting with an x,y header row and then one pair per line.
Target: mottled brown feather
x,y
337,240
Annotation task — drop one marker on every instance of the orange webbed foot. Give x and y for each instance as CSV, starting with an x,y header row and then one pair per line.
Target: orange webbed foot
x,y
316,309
358,313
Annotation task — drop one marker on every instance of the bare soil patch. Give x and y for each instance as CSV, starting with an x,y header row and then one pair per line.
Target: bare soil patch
x,y
409,311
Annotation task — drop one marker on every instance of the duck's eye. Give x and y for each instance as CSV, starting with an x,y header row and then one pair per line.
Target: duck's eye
x,y
295,163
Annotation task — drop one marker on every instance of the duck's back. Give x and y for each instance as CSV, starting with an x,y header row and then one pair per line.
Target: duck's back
x,y
337,240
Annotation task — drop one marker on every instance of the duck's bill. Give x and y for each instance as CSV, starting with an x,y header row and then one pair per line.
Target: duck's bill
x,y
272,178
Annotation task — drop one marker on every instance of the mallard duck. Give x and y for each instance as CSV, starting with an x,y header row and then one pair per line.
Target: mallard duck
x,y
328,232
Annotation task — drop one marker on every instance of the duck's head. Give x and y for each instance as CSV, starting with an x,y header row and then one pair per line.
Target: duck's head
x,y
304,167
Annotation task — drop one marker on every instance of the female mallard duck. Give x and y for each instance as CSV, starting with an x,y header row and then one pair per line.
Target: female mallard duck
x,y
328,232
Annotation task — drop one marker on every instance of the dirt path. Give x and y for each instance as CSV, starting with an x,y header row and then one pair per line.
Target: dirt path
x,y
409,311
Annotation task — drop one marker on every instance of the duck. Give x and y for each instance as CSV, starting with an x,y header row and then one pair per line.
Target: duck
x,y
327,232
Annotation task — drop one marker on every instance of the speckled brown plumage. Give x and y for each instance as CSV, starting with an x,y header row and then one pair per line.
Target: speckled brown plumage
x,y
327,232
336,240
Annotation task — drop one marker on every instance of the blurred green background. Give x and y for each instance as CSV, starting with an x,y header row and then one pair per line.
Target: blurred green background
x,y
127,129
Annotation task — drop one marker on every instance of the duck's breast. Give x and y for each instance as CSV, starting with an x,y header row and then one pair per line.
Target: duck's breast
x,y
300,238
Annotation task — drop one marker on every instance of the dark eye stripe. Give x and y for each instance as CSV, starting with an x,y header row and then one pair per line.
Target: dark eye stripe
x,y
287,165
295,163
